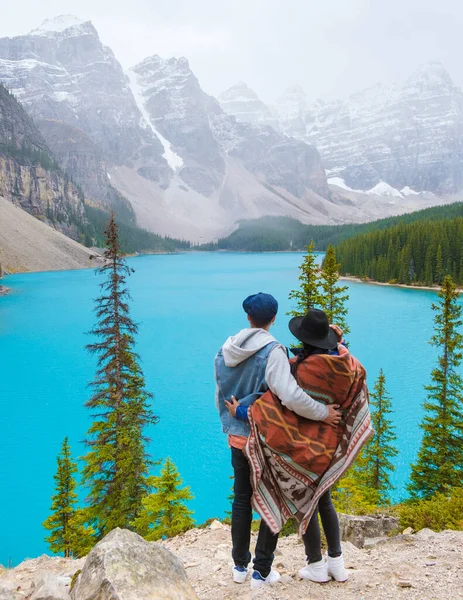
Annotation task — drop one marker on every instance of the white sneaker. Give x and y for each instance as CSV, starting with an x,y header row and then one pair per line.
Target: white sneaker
x,y
336,568
258,581
317,572
239,574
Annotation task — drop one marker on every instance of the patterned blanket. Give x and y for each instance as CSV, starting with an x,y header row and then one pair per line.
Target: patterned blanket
x,y
295,460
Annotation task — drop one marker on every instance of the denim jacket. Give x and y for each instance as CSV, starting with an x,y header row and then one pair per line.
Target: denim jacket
x,y
245,381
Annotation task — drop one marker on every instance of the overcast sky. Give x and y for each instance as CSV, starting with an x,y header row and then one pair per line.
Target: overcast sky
x,y
330,47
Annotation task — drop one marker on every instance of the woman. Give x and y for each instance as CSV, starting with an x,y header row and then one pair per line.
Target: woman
x,y
295,461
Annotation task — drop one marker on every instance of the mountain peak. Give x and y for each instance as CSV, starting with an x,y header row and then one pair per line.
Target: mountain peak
x,y
294,90
59,24
433,73
238,90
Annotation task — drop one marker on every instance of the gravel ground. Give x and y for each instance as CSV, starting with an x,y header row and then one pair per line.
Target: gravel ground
x,y
424,566
27,244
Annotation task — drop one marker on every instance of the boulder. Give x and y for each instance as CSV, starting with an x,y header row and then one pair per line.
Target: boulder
x,y
356,529
48,586
123,566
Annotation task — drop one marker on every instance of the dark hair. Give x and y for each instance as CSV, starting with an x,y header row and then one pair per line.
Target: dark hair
x,y
259,322
307,350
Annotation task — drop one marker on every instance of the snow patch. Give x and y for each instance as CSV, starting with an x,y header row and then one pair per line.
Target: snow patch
x,y
407,191
339,182
174,160
384,189
58,25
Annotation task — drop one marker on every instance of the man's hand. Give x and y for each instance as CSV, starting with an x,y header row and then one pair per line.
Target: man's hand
x,y
338,331
334,415
232,406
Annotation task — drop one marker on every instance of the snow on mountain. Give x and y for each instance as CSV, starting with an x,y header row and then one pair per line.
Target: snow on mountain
x,y
174,160
246,106
58,25
69,79
290,110
407,191
384,189
189,167
339,182
407,135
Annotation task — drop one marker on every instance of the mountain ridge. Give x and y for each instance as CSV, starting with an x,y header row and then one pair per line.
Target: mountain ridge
x,y
154,134
406,135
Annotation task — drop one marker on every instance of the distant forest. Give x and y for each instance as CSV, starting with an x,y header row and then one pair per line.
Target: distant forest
x,y
132,239
422,252
272,234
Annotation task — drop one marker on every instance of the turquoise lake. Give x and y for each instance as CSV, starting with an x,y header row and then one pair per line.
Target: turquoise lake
x,y
186,305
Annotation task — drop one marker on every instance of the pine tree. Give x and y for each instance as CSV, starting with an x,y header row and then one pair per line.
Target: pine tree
x,y
66,523
380,449
440,458
334,296
117,464
164,513
351,494
308,296
439,265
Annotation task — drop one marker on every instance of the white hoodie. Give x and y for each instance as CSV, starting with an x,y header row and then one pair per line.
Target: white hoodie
x,y
278,375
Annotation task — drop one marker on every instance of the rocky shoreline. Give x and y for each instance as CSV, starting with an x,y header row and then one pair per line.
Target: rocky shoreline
x,y
430,288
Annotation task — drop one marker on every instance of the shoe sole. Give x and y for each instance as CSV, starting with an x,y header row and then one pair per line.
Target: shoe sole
x,y
314,581
340,580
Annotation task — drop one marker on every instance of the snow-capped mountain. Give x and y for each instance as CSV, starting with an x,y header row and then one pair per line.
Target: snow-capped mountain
x,y
188,168
246,106
290,111
407,136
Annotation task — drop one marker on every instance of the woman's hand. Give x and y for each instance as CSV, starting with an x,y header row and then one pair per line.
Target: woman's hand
x,y
232,406
334,415
338,331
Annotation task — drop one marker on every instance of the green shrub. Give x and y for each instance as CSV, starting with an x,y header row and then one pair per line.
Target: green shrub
x,y
442,511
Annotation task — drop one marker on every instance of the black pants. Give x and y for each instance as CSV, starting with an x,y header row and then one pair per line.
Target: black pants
x,y
242,518
311,537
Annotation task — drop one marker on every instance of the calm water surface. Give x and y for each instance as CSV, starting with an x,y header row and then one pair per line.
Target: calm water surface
x,y
186,305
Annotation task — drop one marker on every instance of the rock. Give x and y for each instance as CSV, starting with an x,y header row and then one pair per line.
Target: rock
x,y
47,586
403,583
371,542
123,566
356,529
7,590
426,533
216,525
408,531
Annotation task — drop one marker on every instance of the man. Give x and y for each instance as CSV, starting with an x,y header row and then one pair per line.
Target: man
x,y
246,366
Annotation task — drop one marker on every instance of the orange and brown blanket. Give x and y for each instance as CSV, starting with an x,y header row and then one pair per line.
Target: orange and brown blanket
x,y
295,460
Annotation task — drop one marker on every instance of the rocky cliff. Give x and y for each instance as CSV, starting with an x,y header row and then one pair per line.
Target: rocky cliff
x,y
408,136
29,175
242,102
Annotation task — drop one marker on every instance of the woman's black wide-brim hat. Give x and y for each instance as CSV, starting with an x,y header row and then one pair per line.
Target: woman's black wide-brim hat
x,y
314,329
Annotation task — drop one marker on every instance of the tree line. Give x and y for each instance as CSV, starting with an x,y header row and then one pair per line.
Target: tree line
x,y
272,234
415,253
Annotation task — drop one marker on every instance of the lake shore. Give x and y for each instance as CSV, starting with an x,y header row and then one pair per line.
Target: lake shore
x,y
429,288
